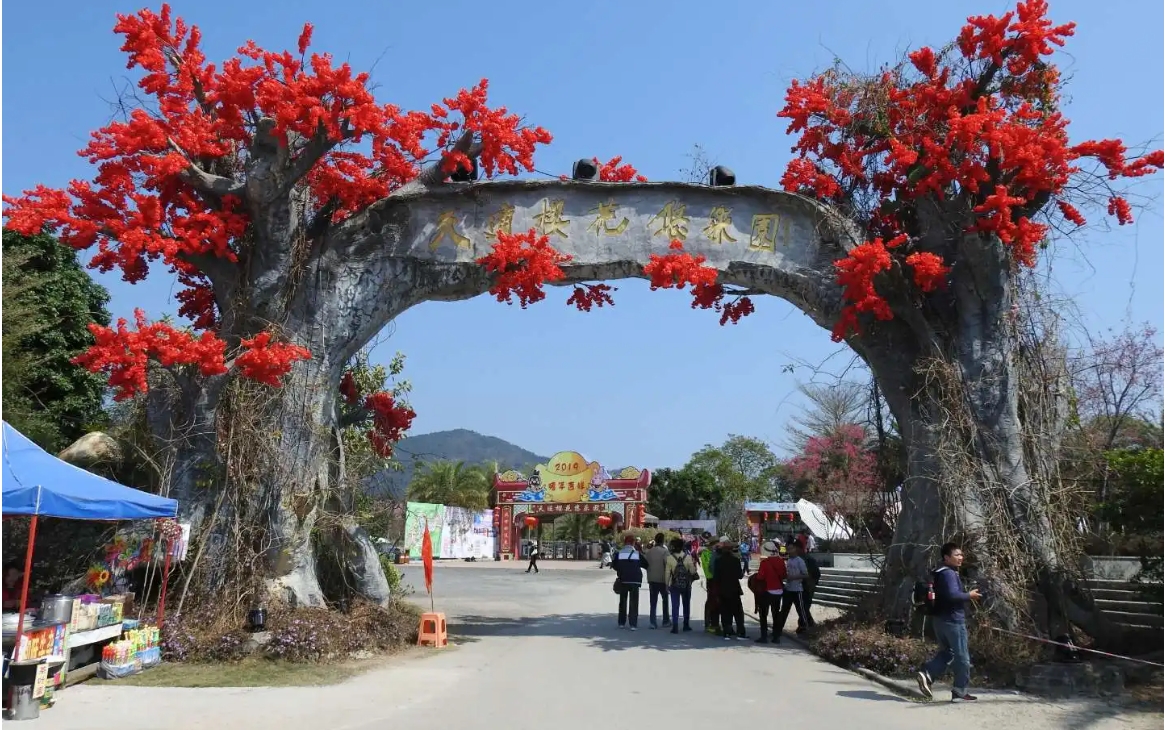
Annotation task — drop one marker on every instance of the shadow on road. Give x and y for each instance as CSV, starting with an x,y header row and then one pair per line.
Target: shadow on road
x,y
600,631
870,695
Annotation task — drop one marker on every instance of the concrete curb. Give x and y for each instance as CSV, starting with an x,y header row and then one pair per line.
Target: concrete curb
x,y
901,688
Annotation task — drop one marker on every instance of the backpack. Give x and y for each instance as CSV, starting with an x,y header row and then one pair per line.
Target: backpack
x,y
812,571
756,584
681,574
925,595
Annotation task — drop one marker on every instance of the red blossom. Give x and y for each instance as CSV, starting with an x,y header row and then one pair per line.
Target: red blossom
x,y
349,389
839,470
679,269
614,171
390,422
929,270
265,361
1003,145
142,205
522,263
123,354
587,296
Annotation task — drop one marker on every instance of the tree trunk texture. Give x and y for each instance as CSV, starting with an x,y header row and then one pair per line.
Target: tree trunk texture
x,y
951,374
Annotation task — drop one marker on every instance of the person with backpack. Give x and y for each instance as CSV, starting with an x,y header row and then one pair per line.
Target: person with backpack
x,y
628,564
768,589
809,585
947,609
680,573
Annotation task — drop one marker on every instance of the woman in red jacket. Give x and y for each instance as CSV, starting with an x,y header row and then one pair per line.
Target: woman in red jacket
x,y
772,571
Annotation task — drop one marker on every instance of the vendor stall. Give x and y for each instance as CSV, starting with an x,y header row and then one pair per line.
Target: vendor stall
x,y
38,645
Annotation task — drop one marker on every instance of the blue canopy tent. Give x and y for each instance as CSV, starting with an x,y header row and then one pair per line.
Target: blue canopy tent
x,y
36,483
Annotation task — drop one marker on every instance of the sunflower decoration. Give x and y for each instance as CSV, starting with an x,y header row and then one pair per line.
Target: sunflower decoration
x,y
96,577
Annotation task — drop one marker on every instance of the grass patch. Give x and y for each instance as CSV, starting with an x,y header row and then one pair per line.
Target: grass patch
x,y
250,672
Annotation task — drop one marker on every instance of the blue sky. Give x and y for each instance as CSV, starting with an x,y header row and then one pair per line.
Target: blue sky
x,y
649,381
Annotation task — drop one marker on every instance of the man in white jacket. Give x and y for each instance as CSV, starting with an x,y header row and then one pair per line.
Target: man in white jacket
x,y
793,590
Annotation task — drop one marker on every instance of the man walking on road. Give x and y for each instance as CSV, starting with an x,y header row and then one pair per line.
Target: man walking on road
x,y
658,588
793,591
948,614
628,563
533,561
744,550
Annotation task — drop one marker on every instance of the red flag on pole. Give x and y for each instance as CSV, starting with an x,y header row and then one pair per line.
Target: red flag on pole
x,y
428,558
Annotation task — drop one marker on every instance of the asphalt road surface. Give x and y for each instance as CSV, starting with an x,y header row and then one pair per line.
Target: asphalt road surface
x,y
543,651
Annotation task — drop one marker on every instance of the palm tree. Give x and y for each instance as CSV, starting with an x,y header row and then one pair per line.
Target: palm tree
x,y
453,484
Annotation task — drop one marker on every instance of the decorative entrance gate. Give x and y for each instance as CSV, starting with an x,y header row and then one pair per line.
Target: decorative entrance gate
x,y
567,484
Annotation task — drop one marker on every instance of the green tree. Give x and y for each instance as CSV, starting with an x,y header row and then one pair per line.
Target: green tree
x,y
744,468
683,494
453,484
49,301
1136,500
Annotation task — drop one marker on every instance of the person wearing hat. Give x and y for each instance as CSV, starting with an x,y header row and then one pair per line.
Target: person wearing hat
x,y
793,590
772,572
727,585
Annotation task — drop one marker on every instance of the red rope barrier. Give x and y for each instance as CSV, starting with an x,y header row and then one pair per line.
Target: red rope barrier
x,y
1080,648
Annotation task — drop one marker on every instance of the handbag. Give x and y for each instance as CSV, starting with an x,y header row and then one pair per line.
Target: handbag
x,y
616,586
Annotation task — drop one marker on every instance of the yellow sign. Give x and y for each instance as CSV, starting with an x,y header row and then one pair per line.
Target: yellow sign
x,y
718,229
550,220
672,222
606,213
567,477
500,221
446,229
764,229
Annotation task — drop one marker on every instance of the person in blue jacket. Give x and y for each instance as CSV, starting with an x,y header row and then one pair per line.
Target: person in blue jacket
x,y
629,564
948,613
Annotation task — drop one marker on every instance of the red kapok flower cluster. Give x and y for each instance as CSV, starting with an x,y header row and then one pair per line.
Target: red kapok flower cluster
x,y
978,121
123,354
522,263
614,171
390,422
679,269
265,361
147,201
349,389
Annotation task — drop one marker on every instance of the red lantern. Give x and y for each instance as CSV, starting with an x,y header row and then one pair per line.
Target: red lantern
x,y
604,521
791,517
531,520
765,516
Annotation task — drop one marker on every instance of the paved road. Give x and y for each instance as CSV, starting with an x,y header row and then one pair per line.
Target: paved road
x,y
540,651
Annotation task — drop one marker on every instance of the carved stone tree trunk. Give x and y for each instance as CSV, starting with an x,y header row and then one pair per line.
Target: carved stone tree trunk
x,y
949,366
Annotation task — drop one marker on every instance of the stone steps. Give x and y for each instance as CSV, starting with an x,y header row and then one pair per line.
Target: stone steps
x,y
843,589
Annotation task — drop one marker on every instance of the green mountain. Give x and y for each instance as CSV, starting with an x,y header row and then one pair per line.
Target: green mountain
x,y
457,445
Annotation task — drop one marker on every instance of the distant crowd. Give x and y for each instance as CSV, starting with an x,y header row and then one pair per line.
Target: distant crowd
x,y
785,580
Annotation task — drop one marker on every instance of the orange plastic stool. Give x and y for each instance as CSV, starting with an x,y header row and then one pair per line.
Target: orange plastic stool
x,y
432,630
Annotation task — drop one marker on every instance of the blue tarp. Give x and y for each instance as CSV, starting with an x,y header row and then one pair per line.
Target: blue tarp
x,y
37,483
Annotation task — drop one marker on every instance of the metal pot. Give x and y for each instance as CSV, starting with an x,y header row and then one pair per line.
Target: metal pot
x,y
57,609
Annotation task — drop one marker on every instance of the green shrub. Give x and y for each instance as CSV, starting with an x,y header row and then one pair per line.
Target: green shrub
x,y
393,577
